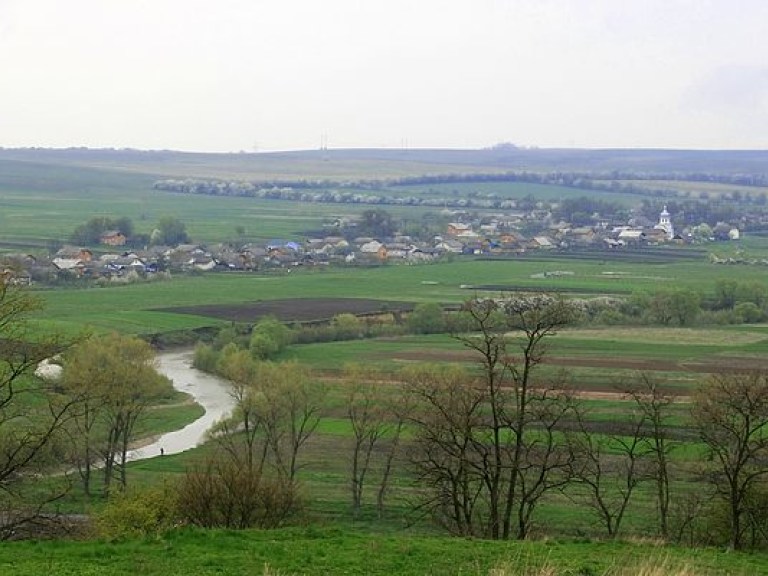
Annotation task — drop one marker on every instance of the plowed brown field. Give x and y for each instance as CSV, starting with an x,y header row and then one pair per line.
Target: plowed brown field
x,y
293,310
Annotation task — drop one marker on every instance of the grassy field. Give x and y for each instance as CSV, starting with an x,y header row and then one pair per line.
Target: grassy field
x,y
70,196
654,349
599,382
161,419
329,551
516,190
697,189
137,308
43,203
207,218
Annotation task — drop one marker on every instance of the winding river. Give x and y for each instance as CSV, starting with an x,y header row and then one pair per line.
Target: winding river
x,y
211,392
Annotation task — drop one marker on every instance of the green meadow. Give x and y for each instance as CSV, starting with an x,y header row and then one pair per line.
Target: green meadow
x,y
515,190
140,308
326,550
712,189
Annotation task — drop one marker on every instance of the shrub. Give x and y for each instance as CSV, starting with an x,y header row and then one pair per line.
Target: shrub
x,y
610,317
602,306
269,338
313,334
228,494
224,337
748,312
718,317
347,327
427,318
177,338
206,358
137,513
459,322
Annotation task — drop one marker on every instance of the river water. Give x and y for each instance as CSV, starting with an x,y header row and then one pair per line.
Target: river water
x,y
211,392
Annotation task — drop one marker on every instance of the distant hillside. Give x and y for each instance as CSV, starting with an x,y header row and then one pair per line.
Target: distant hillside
x,y
357,164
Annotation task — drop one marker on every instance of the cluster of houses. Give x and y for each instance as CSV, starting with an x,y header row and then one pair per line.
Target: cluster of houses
x,y
495,237
492,236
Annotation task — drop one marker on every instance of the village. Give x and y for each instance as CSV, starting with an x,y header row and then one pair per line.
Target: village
x,y
492,235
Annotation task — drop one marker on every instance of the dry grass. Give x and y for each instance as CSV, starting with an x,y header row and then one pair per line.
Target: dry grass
x,y
526,569
653,566
269,571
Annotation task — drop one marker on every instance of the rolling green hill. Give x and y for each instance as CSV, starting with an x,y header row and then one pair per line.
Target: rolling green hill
x,y
388,163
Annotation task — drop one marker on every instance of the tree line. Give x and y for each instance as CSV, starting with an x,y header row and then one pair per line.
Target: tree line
x,y
731,302
169,231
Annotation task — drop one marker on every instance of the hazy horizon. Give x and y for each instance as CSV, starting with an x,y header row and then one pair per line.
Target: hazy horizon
x,y
382,148
294,75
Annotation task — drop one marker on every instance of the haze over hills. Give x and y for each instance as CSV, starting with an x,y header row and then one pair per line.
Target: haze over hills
x,y
338,164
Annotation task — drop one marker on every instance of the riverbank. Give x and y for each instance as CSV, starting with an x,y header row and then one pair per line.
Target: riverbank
x,y
207,390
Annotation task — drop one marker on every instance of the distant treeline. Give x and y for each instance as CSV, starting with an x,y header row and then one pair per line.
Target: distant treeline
x,y
375,191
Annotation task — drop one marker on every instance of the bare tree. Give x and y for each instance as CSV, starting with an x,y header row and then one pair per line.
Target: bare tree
x,y
730,413
513,394
399,409
377,415
655,406
82,431
608,465
546,462
368,419
446,418
489,447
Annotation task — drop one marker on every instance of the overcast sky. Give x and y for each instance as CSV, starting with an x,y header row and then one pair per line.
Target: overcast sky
x,y
230,75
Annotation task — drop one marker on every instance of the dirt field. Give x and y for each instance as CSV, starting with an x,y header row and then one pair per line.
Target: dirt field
x,y
293,310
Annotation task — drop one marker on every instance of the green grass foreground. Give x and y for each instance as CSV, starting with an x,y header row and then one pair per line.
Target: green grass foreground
x,y
331,550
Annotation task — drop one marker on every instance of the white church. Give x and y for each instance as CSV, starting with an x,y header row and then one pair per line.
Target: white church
x,y
665,224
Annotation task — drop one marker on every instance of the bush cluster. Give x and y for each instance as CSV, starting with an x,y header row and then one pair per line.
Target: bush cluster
x,y
223,493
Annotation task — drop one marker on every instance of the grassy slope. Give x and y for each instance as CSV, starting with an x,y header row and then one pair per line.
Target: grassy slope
x,y
44,194
373,163
328,551
44,203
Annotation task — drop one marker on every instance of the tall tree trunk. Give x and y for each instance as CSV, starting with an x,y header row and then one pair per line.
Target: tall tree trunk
x,y
384,485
